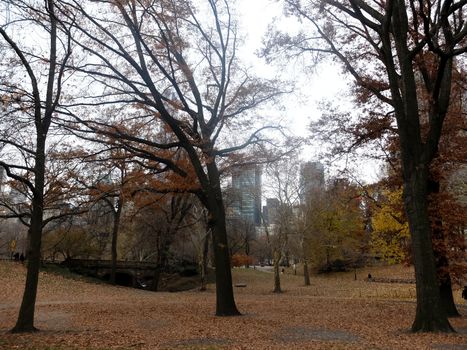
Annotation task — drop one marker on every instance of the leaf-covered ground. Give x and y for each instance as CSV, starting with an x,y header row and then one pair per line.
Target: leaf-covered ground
x,y
335,312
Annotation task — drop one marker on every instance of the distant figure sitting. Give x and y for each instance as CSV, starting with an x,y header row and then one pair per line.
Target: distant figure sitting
x,y
22,258
16,256
464,293
369,277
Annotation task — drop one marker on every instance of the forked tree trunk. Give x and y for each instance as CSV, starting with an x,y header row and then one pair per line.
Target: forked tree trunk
x,y
417,154
277,272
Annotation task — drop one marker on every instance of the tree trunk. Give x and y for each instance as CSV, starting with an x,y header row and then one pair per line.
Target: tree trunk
x,y
447,300
115,228
162,255
440,251
204,263
247,252
277,276
25,321
306,273
155,279
225,302
444,279
430,315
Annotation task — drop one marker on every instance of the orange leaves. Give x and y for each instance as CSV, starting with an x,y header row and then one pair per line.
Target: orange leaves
x,y
241,260
75,313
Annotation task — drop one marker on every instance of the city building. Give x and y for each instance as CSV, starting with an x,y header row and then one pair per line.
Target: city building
x,y
246,185
270,210
311,179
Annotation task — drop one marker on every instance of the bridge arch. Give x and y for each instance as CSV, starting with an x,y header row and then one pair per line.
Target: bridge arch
x,y
126,279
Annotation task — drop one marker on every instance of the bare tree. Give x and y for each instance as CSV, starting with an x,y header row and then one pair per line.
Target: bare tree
x,y
285,186
175,70
28,108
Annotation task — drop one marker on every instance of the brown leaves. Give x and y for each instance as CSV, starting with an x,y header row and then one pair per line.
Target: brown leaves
x,y
73,313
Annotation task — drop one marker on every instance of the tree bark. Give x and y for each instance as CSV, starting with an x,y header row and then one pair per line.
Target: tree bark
x,y
447,300
440,251
204,263
247,251
225,302
155,279
25,321
277,272
116,225
416,155
430,315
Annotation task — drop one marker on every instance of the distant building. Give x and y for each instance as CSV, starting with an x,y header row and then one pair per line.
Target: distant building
x,y
246,183
270,210
311,179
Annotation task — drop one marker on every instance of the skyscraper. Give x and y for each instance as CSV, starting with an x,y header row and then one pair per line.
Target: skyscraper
x,y
311,179
270,210
246,182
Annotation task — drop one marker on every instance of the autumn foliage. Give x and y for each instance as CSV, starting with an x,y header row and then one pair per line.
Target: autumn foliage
x,y
241,260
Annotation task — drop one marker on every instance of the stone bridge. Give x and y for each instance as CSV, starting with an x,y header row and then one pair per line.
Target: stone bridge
x,y
128,273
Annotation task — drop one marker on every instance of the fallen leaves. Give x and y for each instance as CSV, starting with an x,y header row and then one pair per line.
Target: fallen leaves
x,y
335,312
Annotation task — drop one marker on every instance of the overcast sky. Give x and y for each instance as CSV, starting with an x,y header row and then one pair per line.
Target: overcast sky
x,y
327,83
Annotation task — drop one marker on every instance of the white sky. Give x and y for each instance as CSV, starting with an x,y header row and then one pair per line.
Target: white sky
x,y
326,83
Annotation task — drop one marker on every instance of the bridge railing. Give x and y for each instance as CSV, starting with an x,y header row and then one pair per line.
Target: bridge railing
x,y
89,263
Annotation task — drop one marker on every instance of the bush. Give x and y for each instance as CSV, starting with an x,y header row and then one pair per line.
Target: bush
x,y
241,260
337,265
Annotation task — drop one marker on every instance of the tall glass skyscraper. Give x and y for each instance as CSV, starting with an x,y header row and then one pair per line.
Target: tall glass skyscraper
x,y
246,182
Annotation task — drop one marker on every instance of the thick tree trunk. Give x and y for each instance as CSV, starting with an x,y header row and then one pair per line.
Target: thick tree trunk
x,y
444,279
430,315
225,302
306,273
447,300
441,258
